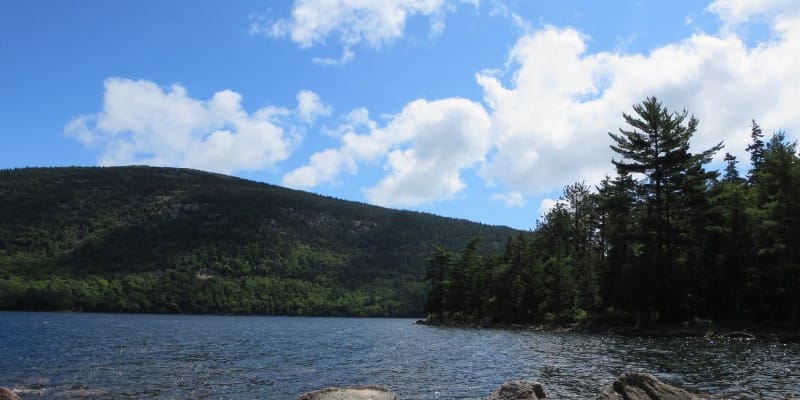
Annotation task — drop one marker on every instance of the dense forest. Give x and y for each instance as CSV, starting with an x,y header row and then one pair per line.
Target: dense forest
x,y
663,241
143,239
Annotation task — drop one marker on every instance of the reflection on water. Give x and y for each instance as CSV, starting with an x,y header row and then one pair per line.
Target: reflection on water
x,y
49,355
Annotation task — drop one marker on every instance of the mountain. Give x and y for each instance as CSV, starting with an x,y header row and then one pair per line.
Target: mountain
x,y
146,239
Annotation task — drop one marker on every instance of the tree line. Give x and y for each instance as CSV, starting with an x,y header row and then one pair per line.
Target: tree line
x,y
174,291
146,239
664,240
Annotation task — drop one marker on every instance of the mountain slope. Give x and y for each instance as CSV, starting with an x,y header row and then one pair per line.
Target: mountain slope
x,y
151,239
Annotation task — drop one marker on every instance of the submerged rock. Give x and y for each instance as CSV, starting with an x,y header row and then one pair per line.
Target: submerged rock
x,y
518,390
350,393
641,386
81,392
740,335
628,386
7,394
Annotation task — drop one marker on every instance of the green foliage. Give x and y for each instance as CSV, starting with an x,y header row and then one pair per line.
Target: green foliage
x,y
665,240
142,239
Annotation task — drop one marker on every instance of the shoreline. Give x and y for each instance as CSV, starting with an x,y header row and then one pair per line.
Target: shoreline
x,y
713,331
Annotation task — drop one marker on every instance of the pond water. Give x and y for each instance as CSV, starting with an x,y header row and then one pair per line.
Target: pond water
x,y
57,355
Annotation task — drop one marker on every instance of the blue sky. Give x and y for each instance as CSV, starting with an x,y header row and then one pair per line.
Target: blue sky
x,y
472,109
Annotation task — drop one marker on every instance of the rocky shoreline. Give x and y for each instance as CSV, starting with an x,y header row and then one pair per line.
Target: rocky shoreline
x,y
628,386
708,330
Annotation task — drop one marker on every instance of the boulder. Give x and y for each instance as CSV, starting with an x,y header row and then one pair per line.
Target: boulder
x,y
350,393
7,394
641,386
518,390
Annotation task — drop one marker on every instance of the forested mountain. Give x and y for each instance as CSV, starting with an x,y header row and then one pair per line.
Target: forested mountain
x,y
146,239
665,240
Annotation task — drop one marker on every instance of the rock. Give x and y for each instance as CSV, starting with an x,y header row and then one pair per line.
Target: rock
x,y
640,386
518,390
701,323
350,393
7,394
81,392
740,335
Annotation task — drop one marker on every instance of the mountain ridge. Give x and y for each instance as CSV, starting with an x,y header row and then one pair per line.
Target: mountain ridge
x,y
157,239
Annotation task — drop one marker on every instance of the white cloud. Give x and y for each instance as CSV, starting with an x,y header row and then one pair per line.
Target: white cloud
x,y
511,199
355,122
424,148
733,12
309,106
352,22
546,134
502,10
361,141
345,58
547,124
552,117
142,123
546,205
324,166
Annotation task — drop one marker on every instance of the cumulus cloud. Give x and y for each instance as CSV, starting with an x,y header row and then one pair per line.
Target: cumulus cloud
x,y
142,123
547,115
548,128
552,116
324,166
733,12
547,204
510,199
424,149
310,107
352,22
358,144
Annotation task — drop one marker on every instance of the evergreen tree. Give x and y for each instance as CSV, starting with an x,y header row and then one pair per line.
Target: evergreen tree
x,y
756,150
581,207
728,247
555,247
617,202
437,274
731,172
657,149
777,226
664,239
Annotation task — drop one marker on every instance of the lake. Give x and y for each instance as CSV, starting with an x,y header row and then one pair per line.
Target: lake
x,y
57,355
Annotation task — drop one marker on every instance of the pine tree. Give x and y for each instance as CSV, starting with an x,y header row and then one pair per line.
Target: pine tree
x,y
671,184
731,172
581,207
437,275
756,150
777,224
728,245
617,201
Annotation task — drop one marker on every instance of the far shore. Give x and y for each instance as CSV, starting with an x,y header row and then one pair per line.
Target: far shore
x,y
781,333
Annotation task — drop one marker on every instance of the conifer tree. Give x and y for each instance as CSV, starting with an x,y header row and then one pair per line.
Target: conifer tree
x,y
731,172
617,202
756,150
777,220
671,183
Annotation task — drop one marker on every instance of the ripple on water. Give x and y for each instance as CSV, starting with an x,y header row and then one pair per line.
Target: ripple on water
x,y
137,356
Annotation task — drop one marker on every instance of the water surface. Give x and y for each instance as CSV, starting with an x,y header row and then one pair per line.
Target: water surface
x,y
57,355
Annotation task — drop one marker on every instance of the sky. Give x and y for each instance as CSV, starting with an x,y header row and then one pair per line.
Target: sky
x,y
475,109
